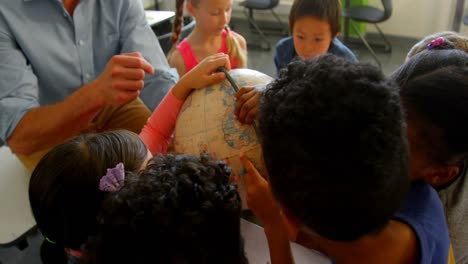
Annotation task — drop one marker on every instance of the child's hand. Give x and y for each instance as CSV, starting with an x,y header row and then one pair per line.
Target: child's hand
x,y
202,75
247,101
259,196
260,199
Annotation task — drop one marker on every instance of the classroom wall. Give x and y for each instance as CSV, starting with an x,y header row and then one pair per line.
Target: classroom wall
x,y
418,18
411,18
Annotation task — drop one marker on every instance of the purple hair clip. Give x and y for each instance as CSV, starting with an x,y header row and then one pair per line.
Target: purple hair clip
x,y
436,43
113,180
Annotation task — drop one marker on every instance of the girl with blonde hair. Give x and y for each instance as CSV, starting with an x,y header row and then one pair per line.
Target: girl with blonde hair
x,y
211,35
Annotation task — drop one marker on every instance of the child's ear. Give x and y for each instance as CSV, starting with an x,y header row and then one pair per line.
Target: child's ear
x,y
440,176
189,7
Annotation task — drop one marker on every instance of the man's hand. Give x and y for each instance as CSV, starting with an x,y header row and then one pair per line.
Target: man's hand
x,y
247,101
122,78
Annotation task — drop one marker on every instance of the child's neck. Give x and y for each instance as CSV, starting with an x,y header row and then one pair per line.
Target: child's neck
x,y
396,243
198,37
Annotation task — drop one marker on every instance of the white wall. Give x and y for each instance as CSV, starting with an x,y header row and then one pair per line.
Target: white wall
x,y
411,18
417,18
148,3
163,4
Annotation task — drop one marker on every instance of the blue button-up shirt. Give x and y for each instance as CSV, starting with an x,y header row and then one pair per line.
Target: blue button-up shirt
x,y
46,54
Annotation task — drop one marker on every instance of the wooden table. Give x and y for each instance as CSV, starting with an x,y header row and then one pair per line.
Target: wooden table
x,y
16,218
155,17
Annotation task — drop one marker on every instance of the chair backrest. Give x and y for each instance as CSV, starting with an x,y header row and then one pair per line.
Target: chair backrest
x,y
166,40
388,9
274,3
260,4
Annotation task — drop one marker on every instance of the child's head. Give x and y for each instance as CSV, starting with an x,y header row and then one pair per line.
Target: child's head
x,y
434,92
314,24
64,187
333,142
180,209
452,40
212,17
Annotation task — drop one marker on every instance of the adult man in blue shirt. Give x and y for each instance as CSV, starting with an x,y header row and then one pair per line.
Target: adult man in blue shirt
x,y
74,66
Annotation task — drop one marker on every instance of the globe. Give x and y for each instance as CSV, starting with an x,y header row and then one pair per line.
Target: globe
x,y
206,124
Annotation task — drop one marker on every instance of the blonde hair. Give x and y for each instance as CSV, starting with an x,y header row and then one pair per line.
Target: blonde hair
x,y
456,40
233,45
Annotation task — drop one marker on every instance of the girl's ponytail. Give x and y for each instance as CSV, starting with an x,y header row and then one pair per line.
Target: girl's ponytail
x,y
234,49
177,26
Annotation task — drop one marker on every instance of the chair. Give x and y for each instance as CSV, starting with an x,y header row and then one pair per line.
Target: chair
x,y
372,15
252,5
16,221
166,40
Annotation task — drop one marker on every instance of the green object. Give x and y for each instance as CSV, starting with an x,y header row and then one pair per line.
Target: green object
x,y
50,241
361,26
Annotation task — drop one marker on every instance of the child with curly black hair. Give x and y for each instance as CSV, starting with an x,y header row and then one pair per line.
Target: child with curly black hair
x,y
334,145
179,209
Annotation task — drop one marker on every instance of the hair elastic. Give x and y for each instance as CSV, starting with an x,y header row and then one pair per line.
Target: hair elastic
x,y
436,43
49,240
114,179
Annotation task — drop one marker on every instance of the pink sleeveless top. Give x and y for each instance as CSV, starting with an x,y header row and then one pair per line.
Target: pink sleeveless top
x,y
189,57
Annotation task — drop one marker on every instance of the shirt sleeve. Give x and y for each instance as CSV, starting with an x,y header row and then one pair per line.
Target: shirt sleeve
x,y
159,128
137,35
18,84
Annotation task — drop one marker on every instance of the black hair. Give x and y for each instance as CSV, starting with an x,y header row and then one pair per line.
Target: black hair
x,y
334,145
64,187
434,91
327,10
180,209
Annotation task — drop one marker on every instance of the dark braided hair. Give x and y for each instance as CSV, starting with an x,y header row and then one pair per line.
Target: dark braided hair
x,y
180,209
434,90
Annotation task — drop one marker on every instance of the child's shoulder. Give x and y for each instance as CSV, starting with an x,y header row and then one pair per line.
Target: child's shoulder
x,y
341,50
424,213
285,43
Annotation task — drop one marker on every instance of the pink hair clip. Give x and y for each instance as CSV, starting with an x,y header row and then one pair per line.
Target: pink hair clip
x,y
436,43
113,180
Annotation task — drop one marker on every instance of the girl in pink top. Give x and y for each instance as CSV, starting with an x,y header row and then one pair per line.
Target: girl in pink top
x,y
158,130
210,35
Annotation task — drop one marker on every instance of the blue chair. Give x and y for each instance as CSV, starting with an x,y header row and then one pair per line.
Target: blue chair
x,y
372,15
250,6
16,221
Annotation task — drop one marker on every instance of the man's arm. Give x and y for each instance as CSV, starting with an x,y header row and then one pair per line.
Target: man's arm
x,y
46,126
43,127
